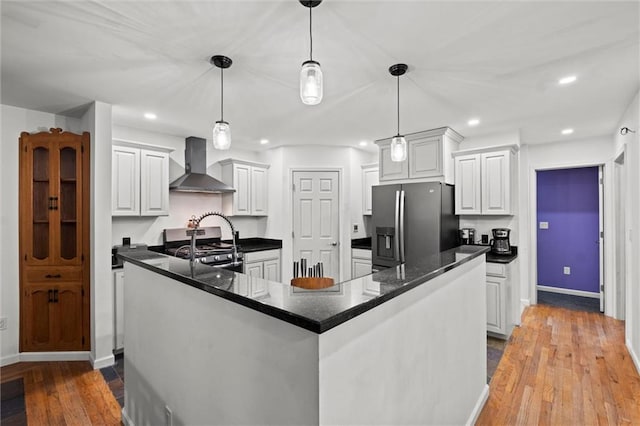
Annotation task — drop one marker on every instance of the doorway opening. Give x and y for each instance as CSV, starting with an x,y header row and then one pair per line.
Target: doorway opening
x,y
569,218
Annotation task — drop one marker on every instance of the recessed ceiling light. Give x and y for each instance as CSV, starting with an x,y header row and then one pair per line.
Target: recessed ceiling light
x,y
473,122
150,116
567,131
567,80
264,141
363,143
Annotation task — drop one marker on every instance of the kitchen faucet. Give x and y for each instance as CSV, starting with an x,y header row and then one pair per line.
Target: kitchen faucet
x,y
197,231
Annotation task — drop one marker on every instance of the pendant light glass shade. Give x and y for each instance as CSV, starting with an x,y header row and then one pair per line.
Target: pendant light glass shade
x,y
311,83
221,135
398,148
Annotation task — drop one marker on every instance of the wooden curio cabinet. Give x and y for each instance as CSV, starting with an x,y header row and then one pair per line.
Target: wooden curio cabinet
x,y
54,241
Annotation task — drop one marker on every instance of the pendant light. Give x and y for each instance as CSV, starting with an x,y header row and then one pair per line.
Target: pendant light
x,y
221,130
398,143
311,73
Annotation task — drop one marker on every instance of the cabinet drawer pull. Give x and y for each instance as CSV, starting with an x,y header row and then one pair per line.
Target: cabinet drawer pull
x,y
53,276
50,296
55,296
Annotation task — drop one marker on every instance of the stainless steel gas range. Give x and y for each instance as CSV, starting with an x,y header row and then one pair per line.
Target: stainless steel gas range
x,y
210,250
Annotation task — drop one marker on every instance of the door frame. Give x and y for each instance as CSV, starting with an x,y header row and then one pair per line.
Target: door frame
x,y
607,240
343,216
622,247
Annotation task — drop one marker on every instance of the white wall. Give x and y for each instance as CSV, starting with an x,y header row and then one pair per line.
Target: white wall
x,y
574,153
14,121
97,121
630,144
183,205
286,159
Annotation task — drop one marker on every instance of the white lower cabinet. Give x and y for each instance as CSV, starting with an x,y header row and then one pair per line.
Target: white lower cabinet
x,y
360,263
118,309
263,264
501,300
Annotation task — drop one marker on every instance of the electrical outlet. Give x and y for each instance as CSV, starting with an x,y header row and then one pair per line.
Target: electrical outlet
x,y
3,323
544,225
355,227
168,416
567,270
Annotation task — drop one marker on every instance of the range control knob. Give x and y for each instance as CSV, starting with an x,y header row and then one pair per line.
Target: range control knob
x,y
216,258
229,256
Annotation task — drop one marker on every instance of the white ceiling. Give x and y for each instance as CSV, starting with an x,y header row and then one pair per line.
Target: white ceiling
x,y
499,61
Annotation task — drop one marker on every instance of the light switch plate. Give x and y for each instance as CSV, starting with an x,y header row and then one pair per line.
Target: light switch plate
x,y
355,227
544,225
567,270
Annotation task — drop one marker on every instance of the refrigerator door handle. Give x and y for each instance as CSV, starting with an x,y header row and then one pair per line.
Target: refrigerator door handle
x,y
401,244
396,243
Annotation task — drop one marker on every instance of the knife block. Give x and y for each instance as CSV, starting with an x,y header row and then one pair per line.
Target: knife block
x,y
312,283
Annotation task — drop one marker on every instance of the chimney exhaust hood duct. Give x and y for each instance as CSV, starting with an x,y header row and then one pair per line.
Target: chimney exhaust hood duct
x,y
196,178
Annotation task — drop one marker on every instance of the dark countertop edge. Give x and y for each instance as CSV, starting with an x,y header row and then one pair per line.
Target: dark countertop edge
x,y
248,245
361,243
500,258
318,327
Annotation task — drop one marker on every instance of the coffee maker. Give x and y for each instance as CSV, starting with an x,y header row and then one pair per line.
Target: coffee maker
x,y
500,242
467,235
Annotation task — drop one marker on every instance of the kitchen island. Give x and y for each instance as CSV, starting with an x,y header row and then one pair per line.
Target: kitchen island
x,y
405,345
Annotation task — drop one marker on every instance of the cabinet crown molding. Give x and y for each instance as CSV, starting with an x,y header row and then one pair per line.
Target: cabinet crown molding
x,y
512,147
245,162
141,145
455,136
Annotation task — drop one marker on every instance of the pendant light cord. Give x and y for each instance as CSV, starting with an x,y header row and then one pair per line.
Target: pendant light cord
x,y
398,81
221,94
310,36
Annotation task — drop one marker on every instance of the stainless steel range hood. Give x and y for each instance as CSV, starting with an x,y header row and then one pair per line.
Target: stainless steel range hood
x,y
196,178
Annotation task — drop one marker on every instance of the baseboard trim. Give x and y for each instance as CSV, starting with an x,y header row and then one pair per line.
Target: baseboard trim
x,y
55,356
126,420
634,356
8,360
568,291
523,305
106,361
479,406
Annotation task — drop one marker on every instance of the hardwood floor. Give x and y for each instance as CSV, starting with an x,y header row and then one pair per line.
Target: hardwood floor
x,y
561,367
564,367
64,393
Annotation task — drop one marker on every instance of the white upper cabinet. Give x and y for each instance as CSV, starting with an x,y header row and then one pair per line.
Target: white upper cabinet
x,y
428,156
250,180
369,179
139,179
484,180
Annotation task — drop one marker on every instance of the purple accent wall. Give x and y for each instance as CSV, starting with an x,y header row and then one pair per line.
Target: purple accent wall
x,y
568,200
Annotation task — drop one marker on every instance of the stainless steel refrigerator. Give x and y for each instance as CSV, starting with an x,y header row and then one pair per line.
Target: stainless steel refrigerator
x,y
411,221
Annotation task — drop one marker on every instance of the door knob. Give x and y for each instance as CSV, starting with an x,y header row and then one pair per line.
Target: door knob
x,y
335,243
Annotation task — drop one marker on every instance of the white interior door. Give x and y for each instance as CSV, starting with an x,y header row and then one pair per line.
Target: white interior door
x,y
316,219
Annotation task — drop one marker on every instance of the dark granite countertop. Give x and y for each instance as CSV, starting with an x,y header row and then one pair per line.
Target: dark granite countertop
x,y
361,243
248,245
314,310
502,258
